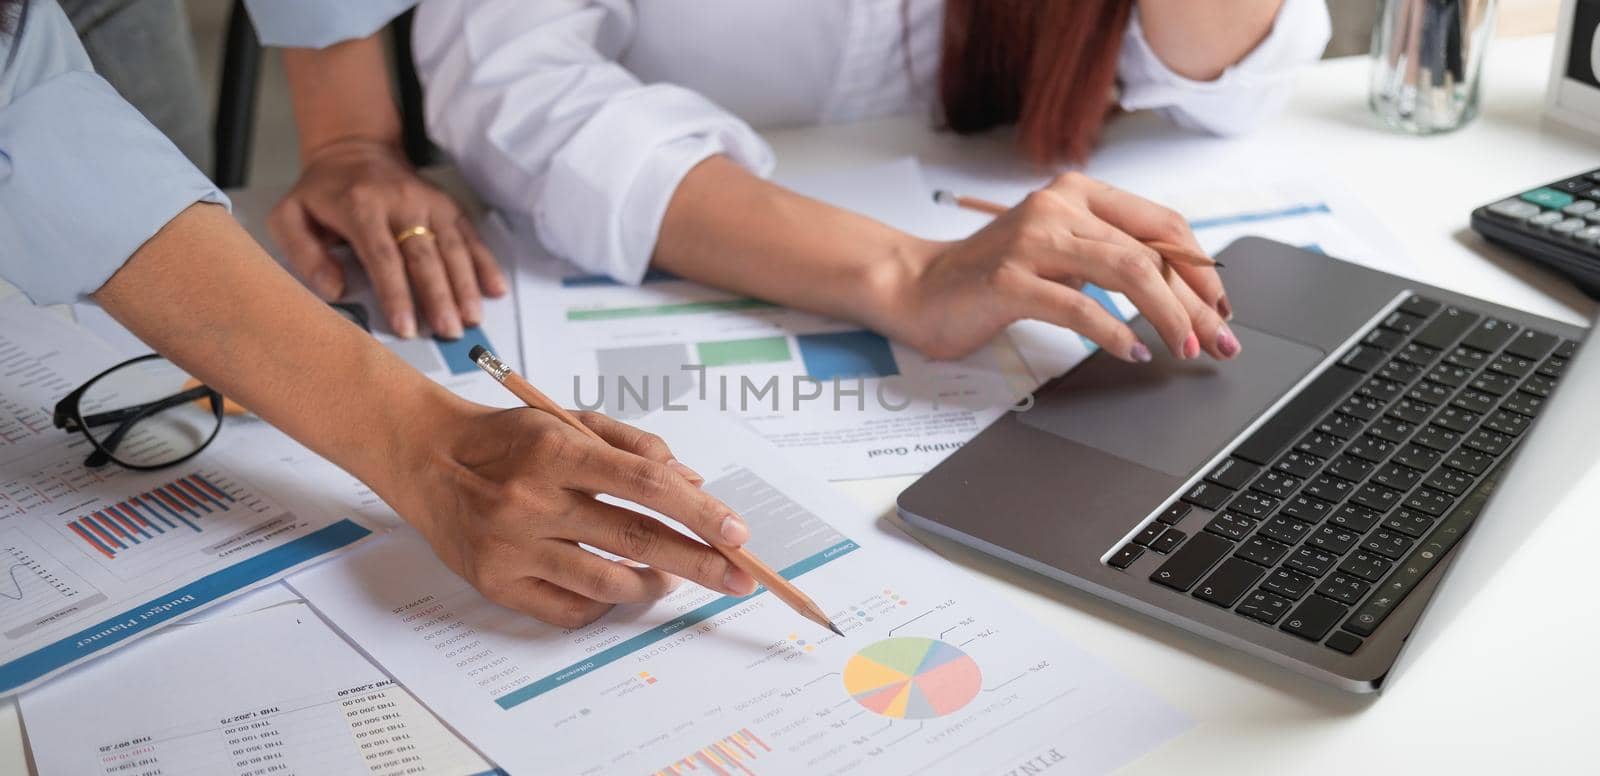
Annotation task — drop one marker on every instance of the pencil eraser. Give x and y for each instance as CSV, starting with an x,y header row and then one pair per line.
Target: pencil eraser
x,y
476,352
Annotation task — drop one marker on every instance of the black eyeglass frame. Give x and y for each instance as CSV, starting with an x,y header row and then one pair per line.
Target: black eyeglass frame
x,y
69,417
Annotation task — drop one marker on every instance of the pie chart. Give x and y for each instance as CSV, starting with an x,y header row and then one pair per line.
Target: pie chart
x,y
912,678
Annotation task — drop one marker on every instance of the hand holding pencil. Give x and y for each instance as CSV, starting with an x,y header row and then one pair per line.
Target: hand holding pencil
x,y
1170,251
740,557
507,499
1038,260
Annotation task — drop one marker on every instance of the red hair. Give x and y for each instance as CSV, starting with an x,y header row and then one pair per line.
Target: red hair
x,y
1049,66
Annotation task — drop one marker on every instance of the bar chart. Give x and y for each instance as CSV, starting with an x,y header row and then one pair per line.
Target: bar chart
x,y
202,510
724,757
173,506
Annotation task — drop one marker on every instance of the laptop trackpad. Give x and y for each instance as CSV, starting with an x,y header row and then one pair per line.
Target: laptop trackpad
x,y
1171,415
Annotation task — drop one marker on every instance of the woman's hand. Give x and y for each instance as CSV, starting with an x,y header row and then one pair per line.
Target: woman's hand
x,y
363,192
509,496
1032,261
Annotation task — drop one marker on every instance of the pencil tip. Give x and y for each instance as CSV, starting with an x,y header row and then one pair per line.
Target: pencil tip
x,y
835,629
942,197
1217,265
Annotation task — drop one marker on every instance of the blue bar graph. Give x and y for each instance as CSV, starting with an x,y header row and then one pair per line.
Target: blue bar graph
x,y
586,281
846,354
457,353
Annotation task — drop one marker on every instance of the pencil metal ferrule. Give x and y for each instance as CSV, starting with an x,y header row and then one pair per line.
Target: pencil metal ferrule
x,y
488,362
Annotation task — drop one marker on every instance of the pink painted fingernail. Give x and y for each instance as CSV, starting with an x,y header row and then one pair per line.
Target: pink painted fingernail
x,y
1140,353
1191,346
734,531
685,472
1227,344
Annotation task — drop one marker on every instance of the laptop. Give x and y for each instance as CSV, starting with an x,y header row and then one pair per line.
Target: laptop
x,y
1301,503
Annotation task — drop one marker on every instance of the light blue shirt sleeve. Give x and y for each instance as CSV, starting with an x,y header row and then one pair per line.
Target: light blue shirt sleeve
x,y
320,23
84,178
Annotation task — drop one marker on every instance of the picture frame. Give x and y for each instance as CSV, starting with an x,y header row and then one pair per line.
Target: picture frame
x,y
1573,95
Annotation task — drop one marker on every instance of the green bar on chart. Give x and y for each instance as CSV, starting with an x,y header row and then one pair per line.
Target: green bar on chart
x,y
761,350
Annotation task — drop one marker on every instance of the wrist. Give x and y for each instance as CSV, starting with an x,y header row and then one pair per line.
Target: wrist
x,y
888,283
350,144
415,444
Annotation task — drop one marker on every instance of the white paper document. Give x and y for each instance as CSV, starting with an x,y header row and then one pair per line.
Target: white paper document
x,y
271,691
839,398
933,672
91,558
43,356
1316,214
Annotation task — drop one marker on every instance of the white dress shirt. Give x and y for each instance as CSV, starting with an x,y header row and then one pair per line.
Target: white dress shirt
x,y
577,119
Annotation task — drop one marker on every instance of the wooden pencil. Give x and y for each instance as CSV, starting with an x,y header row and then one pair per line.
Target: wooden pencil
x,y
738,556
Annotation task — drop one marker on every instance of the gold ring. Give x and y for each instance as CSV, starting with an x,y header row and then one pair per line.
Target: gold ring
x,y
415,231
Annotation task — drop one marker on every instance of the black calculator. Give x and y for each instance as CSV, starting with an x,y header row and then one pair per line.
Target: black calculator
x,y
1557,225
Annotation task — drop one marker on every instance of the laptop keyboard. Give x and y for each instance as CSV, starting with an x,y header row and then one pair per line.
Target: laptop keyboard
x,y
1330,513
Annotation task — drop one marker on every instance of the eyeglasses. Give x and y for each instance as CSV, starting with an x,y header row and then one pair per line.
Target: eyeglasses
x,y
148,413
144,413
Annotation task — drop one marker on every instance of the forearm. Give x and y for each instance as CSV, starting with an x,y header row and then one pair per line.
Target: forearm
x,y
341,93
202,293
1198,39
731,229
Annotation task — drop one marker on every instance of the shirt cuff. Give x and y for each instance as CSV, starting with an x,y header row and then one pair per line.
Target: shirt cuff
x,y
1246,92
85,181
320,23
608,188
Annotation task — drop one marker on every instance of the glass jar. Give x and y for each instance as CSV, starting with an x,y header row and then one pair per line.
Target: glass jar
x,y
1427,56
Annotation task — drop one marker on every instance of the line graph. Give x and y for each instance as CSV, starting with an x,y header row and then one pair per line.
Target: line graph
x,y
16,584
33,584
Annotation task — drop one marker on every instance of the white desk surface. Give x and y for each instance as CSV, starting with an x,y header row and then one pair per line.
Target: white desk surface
x,y
1504,682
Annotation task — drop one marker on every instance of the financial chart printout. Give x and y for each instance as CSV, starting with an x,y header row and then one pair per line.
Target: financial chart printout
x,y
844,401
273,691
932,671
93,557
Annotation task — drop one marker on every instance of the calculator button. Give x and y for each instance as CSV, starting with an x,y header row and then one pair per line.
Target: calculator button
x,y
1547,218
1568,226
1573,186
1580,207
1588,234
1547,197
1516,208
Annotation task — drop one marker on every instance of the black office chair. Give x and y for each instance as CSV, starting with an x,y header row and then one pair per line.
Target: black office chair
x,y
234,129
